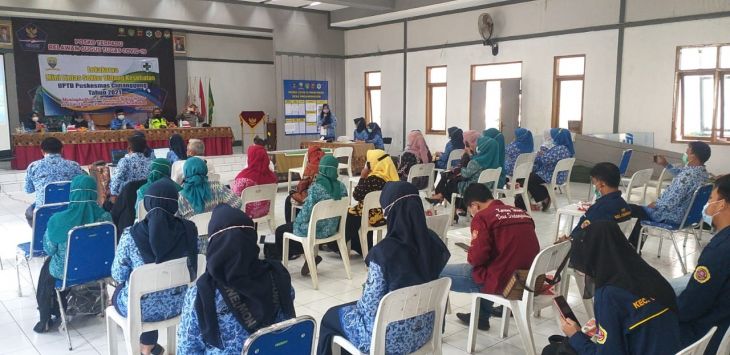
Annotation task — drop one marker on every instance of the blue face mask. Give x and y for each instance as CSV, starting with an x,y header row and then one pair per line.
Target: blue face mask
x,y
370,130
706,217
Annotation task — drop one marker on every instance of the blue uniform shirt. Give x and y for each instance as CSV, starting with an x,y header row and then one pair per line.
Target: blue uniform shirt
x,y
442,162
629,325
610,207
120,124
360,136
377,141
706,300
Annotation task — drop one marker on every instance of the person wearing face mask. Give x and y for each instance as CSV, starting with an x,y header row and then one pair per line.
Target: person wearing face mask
x,y
375,136
120,121
157,121
703,296
671,206
33,123
327,123
503,240
190,116
361,130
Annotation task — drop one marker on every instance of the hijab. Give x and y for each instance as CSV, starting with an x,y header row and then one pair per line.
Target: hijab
x,y
161,236
562,137
82,209
258,166
407,161
254,290
604,254
381,165
487,155
471,137
328,177
499,138
375,130
124,210
159,168
547,139
416,144
360,124
314,156
177,146
410,254
456,137
196,188
523,140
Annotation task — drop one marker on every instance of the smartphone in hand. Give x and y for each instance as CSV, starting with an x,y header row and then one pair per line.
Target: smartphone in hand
x,y
656,157
564,309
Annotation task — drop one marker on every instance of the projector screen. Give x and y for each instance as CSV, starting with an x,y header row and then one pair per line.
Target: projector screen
x,y
4,127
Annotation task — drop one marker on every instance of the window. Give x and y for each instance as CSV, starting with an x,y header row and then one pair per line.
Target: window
x,y
568,79
496,96
702,97
436,100
372,97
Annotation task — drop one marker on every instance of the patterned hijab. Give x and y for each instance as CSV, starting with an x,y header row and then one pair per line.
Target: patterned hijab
x,y
82,209
328,177
416,144
196,188
257,168
159,168
314,156
381,165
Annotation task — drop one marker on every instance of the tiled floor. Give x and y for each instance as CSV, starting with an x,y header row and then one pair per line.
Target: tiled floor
x,y
18,314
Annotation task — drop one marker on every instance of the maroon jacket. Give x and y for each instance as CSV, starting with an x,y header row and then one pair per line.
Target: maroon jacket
x,y
503,240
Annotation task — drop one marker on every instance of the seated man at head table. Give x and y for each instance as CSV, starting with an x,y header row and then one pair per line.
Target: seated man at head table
x,y
196,148
671,206
120,121
157,121
191,116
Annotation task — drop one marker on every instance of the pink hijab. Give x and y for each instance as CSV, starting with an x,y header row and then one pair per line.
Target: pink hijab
x,y
470,138
416,144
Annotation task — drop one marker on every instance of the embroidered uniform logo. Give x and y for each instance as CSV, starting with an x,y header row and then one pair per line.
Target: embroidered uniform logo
x,y
702,274
601,335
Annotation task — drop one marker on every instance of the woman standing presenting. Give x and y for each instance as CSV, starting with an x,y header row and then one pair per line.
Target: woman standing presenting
x,y
327,123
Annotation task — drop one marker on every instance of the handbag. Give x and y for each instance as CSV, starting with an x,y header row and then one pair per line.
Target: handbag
x,y
559,345
517,284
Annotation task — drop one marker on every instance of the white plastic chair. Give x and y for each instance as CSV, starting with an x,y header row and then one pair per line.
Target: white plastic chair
x,y
639,180
344,152
322,210
698,347
214,177
299,171
141,211
423,170
371,201
147,279
260,193
489,177
405,303
522,171
562,165
201,222
665,178
724,347
546,261
525,158
440,225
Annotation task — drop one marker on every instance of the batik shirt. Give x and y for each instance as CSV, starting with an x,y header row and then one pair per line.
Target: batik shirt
x,y
674,201
357,320
545,163
133,167
326,227
233,335
219,194
254,209
51,168
156,306
510,157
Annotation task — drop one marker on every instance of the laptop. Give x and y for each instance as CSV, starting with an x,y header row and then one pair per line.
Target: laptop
x,y
161,152
117,155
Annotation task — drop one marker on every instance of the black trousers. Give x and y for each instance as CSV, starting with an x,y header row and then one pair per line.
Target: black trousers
x,y
640,214
329,328
352,234
273,251
447,186
536,189
29,214
46,294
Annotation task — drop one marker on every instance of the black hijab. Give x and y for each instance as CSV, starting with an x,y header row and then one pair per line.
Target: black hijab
x,y
360,124
161,236
604,254
456,137
124,209
177,145
376,130
410,254
254,290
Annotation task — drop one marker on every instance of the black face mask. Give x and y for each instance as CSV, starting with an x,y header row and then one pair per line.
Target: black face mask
x,y
157,116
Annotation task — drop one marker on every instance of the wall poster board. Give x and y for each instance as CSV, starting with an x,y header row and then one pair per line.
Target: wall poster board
x,y
303,100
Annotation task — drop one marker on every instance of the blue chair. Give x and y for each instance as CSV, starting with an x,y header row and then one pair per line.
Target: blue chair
x,y
691,223
57,192
34,248
89,257
291,337
623,165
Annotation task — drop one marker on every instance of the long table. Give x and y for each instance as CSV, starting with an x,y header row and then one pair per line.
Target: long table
x,y
359,151
91,146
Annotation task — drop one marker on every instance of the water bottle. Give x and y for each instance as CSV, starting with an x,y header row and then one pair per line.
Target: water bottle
x,y
63,127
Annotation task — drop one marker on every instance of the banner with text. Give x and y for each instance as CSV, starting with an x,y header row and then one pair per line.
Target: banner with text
x,y
303,100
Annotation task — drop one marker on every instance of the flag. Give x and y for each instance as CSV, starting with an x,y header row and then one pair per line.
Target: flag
x,y
211,103
201,95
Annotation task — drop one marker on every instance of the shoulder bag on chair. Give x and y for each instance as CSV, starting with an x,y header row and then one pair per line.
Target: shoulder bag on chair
x,y
518,282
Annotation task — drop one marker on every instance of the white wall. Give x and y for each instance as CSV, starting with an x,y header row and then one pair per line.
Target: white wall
x,y
648,79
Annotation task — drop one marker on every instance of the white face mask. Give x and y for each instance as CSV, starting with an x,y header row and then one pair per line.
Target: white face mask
x,y
35,118
121,117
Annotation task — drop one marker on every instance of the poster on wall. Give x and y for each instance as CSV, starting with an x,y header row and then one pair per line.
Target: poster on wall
x,y
67,67
303,100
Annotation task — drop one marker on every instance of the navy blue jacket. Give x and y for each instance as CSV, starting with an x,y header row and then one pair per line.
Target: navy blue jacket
x,y
629,325
610,207
706,300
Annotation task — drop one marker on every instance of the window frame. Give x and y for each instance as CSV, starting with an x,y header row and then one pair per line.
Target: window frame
x,y
368,95
718,104
429,100
472,80
557,81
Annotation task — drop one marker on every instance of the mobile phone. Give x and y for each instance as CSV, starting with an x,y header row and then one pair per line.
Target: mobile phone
x,y
564,309
655,158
